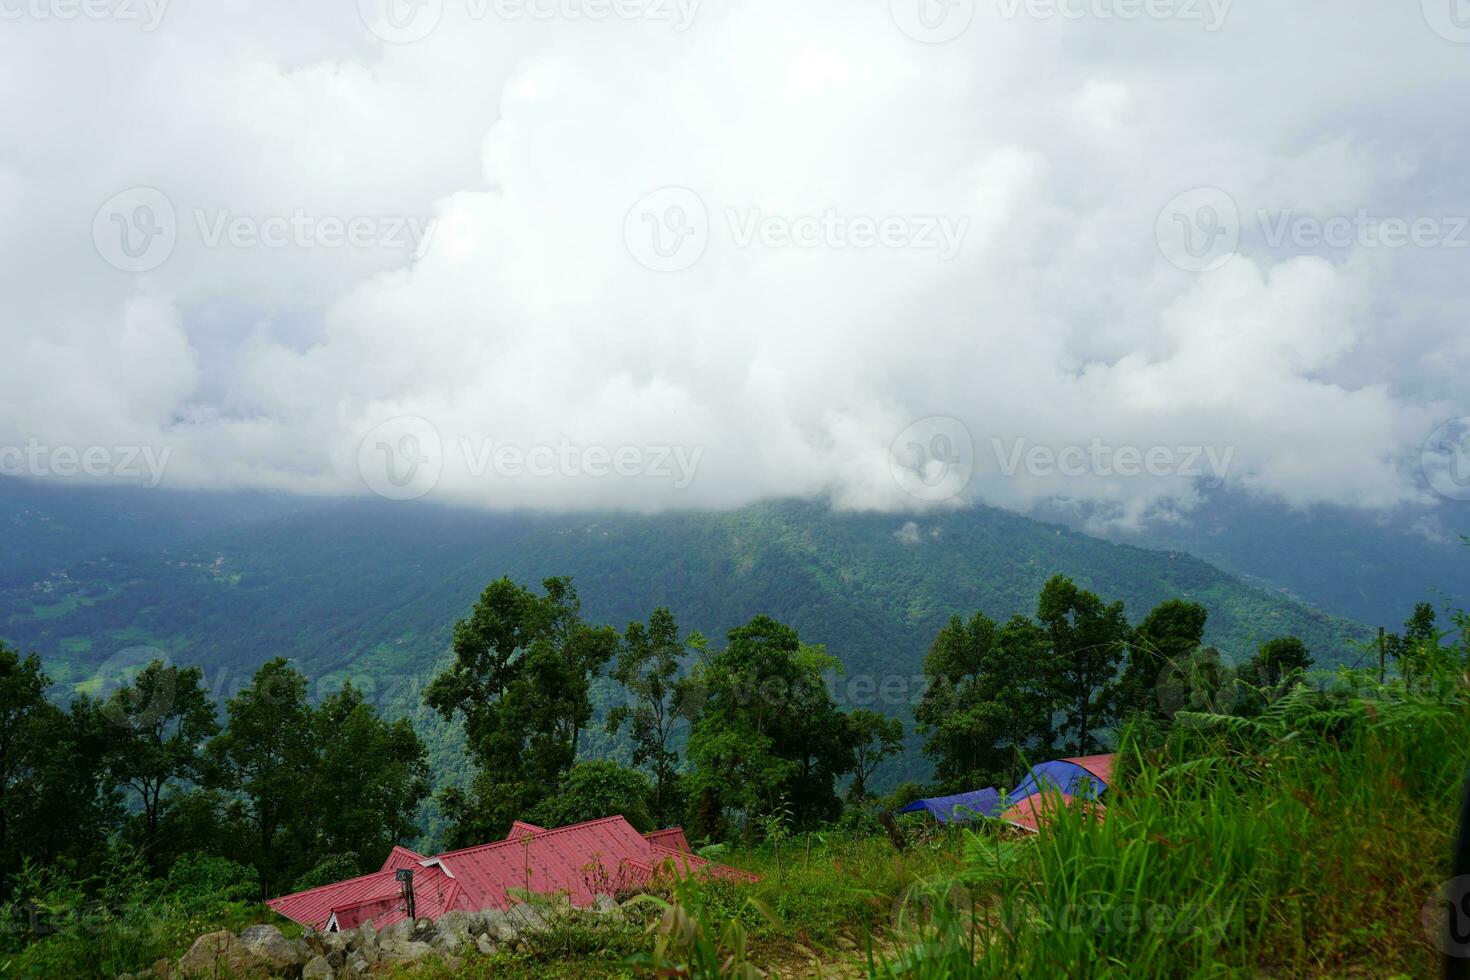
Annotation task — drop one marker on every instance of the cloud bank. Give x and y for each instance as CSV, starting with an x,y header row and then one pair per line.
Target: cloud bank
x,y
655,254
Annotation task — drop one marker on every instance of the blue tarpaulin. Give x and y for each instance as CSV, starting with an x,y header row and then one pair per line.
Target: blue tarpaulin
x,y
961,808
1068,777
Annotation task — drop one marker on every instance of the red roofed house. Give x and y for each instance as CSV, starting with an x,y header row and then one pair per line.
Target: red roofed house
x,y
579,861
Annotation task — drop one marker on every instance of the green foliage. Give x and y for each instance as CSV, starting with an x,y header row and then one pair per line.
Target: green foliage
x,y
1087,641
521,680
874,738
592,790
648,669
769,731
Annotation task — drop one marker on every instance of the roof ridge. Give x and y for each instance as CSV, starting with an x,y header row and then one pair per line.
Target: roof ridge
x,y
520,841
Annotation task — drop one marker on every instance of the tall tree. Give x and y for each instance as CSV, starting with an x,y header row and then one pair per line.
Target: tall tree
x,y
375,771
1087,638
1411,649
648,668
769,734
1161,649
265,755
160,721
875,738
989,701
1277,660
521,679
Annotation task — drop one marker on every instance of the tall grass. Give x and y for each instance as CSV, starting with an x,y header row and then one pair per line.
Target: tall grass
x,y
1302,842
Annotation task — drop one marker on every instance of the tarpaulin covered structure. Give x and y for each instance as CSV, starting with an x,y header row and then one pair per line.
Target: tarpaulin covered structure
x,y
960,808
1085,776
1038,808
579,861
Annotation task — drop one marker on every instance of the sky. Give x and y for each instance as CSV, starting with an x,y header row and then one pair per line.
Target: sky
x,y
655,254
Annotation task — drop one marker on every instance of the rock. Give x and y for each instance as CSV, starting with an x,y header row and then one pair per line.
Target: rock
x,y
455,922
357,966
526,919
398,933
317,968
446,943
267,946
608,906
484,945
163,969
217,954
336,958
453,963
367,935
499,927
408,952
335,942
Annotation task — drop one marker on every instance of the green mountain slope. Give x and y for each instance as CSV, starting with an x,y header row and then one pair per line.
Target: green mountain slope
x,y
376,587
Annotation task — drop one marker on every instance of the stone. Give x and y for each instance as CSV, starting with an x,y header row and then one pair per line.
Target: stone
x,y
446,943
408,952
163,968
317,968
367,935
357,966
484,945
269,947
398,933
526,919
499,927
216,954
455,922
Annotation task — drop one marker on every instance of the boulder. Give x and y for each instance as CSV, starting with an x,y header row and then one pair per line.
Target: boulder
x,y
409,952
484,945
358,967
219,954
317,968
454,923
607,905
268,947
526,919
498,926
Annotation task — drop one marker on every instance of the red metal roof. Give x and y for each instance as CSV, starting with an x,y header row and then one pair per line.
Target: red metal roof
x,y
580,861
521,829
673,837
433,896
401,857
1100,766
1039,807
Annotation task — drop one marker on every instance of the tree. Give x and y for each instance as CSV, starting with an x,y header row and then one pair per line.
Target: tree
x,y
648,667
375,771
1277,660
27,723
874,738
989,701
1411,649
160,722
769,731
265,756
1165,640
521,679
593,790
1087,639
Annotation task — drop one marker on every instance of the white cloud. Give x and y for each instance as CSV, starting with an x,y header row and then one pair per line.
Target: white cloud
x,y
526,321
